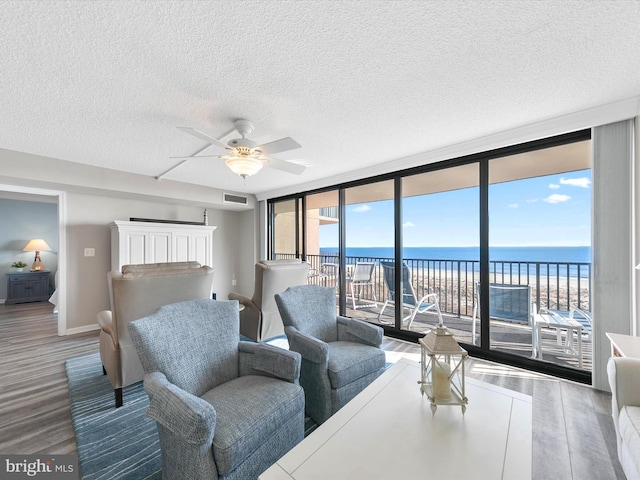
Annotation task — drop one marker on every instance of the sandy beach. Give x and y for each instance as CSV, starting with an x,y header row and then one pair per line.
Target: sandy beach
x,y
552,292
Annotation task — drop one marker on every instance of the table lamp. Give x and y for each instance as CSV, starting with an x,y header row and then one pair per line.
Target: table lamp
x,y
36,245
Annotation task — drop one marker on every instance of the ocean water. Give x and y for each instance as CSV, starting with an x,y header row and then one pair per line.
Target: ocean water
x,y
501,254
544,255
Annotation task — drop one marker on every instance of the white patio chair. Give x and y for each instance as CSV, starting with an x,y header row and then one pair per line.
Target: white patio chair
x,y
409,299
508,303
362,276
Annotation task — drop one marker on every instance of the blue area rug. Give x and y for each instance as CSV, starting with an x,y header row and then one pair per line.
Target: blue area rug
x,y
114,443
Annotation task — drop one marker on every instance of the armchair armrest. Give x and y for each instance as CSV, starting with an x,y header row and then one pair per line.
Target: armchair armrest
x,y
624,379
105,321
580,312
185,415
250,316
430,298
261,359
353,330
246,301
311,349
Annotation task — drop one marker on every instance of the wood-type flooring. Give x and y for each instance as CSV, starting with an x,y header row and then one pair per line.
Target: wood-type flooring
x,y
573,435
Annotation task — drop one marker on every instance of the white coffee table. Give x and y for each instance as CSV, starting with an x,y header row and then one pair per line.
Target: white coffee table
x,y
388,431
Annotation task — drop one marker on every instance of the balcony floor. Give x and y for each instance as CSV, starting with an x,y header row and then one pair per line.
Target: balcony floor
x,y
505,336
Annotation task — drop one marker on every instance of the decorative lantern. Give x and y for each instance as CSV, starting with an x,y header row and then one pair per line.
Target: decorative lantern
x,y
442,369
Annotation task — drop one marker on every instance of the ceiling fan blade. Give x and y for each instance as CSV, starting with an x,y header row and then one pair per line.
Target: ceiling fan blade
x,y
196,156
285,166
278,146
158,177
203,136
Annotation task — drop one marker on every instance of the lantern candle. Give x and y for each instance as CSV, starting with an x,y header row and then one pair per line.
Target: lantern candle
x,y
441,385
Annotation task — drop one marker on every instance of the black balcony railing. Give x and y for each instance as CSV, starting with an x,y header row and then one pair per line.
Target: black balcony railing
x,y
555,285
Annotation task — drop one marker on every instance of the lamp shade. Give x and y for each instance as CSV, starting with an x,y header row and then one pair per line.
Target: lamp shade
x,y
244,166
37,245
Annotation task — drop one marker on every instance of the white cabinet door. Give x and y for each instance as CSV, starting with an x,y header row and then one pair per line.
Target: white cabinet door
x,y
202,248
135,248
159,247
182,247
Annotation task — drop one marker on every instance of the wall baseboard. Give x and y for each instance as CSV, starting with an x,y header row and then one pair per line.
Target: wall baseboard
x,y
85,329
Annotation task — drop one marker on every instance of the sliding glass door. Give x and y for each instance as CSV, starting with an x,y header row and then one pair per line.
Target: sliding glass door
x,y
499,240
539,249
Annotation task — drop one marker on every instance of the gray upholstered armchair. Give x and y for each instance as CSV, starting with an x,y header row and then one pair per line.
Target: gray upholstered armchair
x,y
340,355
260,319
138,291
224,408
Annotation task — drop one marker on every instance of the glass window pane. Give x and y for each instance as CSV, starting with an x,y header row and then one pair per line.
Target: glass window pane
x,y
440,230
539,253
284,229
369,235
323,238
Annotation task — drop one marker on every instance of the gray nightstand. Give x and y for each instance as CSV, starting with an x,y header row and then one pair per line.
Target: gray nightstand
x,y
27,287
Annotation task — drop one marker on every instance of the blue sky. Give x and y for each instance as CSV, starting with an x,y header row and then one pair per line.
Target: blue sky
x,y
553,210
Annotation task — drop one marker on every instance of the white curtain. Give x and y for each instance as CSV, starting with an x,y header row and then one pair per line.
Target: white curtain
x,y
613,240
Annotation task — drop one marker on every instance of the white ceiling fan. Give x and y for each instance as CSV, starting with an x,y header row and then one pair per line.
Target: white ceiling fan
x,y
243,156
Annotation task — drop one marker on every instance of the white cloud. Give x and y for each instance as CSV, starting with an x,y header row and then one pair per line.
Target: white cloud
x,y
557,198
513,205
582,182
408,224
362,208
554,186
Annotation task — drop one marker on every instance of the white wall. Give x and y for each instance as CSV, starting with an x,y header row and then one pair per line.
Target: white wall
x,y
94,197
51,173
88,217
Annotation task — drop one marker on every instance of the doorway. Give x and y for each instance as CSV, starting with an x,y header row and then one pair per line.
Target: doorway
x,y
34,194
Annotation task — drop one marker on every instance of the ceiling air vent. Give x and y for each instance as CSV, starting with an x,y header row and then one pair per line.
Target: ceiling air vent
x,y
235,199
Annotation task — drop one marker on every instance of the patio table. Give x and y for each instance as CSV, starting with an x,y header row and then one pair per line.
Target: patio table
x,y
560,324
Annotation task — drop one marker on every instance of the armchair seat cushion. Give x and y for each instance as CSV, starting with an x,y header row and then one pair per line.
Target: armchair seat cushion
x,y
629,422
250,409
349,362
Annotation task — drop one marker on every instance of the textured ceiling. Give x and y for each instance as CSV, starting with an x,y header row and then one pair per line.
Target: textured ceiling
x,y
356,83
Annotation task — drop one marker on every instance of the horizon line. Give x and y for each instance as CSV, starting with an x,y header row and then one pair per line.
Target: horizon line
x,y
474,246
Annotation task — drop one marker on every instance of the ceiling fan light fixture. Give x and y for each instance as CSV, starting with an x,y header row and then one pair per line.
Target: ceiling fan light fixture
x,y
243,166
243,157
